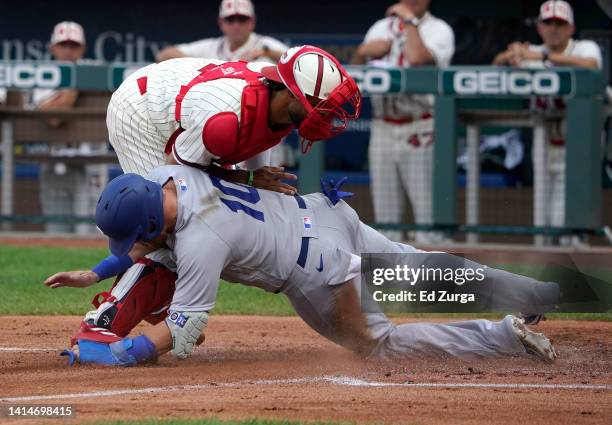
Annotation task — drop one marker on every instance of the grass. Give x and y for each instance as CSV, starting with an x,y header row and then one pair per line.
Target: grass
x,y
25,268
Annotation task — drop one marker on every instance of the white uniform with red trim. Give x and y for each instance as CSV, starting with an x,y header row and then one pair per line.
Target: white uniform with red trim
x,y
219,48
401,152
141,116
555,151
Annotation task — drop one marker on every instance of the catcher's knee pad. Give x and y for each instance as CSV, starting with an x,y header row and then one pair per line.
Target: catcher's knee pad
x,y
143,292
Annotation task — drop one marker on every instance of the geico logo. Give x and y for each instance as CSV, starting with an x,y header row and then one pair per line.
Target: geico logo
x,y
502,82
374,81
25,76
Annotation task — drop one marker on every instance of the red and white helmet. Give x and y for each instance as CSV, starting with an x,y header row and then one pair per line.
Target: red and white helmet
x,y
308,71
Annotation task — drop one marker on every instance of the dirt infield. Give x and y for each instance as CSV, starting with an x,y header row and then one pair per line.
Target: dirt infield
x,y
275,367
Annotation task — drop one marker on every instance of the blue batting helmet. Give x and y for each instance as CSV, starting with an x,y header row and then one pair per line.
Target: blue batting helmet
x,y
130,208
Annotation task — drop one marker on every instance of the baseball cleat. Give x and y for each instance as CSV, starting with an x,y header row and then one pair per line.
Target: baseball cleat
x,y
90,317
535,343
73,355
532,319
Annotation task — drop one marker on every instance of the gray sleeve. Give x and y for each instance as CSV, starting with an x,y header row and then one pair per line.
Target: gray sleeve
x,y
200,257
160,174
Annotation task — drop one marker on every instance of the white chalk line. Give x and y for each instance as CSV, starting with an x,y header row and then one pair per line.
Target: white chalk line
x,y
26,350
355,382
333,380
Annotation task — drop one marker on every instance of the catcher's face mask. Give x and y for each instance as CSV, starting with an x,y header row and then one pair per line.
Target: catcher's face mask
x,y
311,73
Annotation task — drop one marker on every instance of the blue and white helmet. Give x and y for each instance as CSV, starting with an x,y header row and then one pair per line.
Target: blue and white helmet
x,y
130,209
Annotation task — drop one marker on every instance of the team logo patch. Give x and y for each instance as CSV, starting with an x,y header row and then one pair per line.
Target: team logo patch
x,y
307,223
230,70
178,319
182,184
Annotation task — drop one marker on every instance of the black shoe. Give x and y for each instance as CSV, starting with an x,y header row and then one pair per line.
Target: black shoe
x,y
532,319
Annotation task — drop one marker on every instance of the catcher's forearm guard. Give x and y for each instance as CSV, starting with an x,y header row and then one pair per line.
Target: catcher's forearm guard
x,y
186,328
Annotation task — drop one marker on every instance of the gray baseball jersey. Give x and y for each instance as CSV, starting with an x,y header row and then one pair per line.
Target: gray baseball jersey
x,y
241,234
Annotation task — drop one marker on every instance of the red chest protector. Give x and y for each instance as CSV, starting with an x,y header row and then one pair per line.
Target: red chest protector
x,y
253,135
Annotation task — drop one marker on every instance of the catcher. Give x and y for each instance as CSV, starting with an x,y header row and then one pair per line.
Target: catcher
x,y
202,112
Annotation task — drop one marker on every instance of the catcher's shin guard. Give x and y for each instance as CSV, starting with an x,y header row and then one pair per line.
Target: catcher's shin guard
x,y
143,292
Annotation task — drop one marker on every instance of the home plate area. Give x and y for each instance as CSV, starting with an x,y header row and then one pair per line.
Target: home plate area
x,y
276,367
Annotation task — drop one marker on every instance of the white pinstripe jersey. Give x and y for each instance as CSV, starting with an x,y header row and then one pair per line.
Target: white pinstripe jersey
x,y
438,38
141,124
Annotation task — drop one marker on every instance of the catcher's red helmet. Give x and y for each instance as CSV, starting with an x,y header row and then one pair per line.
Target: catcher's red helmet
x,y
310,72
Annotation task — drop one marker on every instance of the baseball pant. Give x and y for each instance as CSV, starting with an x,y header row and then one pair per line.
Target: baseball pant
x,y
75,191
555,164
397,166
137,142
362,329
316,296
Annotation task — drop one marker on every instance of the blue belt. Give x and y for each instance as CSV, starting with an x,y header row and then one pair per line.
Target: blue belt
x,y
305,240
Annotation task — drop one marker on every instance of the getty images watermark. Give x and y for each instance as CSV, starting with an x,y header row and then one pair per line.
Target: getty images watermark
x,y
404,274
445,283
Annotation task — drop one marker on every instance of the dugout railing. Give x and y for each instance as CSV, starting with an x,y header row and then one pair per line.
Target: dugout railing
x,y
472,96
496,96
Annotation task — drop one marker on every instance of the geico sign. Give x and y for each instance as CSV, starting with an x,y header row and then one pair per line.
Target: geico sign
x,y
502,82
374,81
25,76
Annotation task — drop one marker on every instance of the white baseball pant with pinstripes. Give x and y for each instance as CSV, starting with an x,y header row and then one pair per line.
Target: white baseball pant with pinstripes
x,y
395,167
136,140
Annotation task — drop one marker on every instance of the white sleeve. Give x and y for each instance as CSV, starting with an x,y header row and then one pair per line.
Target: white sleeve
x,y
440,41
588,49
197,49
42,95
274,44
379,31
201,256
